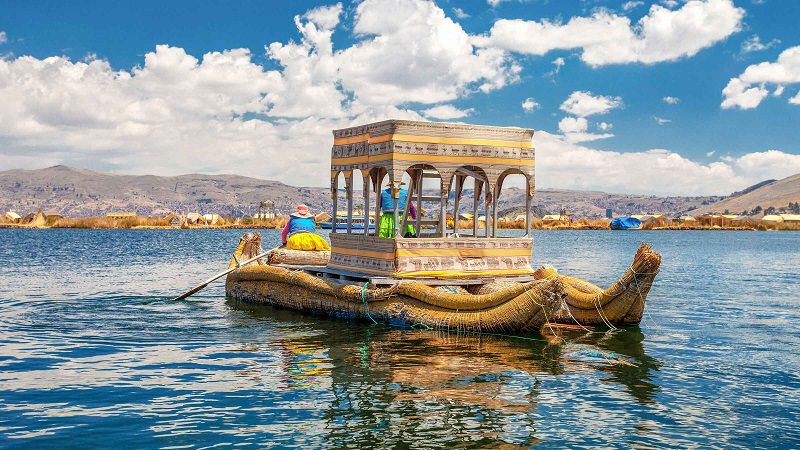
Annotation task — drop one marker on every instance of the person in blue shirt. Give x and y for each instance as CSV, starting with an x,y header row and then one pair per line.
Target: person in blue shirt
x,y
386,224
298,234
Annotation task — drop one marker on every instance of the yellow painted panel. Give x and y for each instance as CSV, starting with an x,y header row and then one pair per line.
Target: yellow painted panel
x,y
366,253
463,160
467,252
454,274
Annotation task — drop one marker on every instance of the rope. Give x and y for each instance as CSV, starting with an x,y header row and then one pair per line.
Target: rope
x,y
641,297
364,300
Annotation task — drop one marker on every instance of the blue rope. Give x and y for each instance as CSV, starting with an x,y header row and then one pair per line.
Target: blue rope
x,y
364,299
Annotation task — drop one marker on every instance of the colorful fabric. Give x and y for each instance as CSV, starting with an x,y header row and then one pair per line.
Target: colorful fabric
x,y
299,224
307,241
387,202
386,226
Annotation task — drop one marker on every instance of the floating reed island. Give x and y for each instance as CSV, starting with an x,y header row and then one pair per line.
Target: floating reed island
x,y
419,272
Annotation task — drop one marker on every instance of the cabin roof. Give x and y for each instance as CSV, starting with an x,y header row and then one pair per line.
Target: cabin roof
x,y
394,146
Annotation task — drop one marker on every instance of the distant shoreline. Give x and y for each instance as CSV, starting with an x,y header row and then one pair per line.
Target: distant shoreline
x,y
262,227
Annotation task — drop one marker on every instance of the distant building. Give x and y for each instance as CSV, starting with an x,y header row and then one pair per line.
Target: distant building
x,y
790,218
656,220
52,216
720,220
120,215
12,217
772,218
195,219
555,219
609,213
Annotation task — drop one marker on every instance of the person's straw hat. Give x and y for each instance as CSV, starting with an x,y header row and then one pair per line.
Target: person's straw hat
x,y
302,211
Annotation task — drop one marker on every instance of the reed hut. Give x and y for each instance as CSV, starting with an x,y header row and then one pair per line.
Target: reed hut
x,y
791,218
12,217
37,219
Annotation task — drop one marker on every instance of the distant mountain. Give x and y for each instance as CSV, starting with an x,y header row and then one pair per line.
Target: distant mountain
x,y
771,193
81,192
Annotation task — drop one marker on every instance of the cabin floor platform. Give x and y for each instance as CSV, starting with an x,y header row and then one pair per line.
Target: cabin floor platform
x,y
356,278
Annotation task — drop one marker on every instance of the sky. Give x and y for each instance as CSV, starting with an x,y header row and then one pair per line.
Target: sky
x,y
671,97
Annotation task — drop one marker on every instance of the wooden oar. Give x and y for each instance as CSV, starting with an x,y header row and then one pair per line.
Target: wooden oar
x,y
202,285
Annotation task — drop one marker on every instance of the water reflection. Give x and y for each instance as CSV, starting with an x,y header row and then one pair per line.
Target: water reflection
x,y
445,388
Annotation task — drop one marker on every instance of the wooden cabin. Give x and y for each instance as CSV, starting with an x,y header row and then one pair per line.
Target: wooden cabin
x,y
447,155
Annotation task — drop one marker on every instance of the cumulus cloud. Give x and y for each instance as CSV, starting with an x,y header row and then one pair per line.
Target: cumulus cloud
x,y
584,104
671,100
628,6
748,89
447,112
565,164
754,44
575,129
413,52
661,120
573,125
605,38
3,37
604,126
529,104
223,112
460,14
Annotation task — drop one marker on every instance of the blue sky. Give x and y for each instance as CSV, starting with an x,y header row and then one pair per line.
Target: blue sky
x,y
79,89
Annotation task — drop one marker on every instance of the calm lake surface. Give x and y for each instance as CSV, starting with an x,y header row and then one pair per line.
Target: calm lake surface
x,y
92,354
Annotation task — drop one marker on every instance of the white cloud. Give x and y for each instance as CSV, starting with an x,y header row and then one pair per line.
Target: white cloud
x,y
412,52
779,90
575,130
584,104
3,37
529,104
661,120
710,154
573,125
627,6
670,3
748,89
447,112
604,126
795,100
671,100
460,14
606,38
564,164
223,112
558,63
754,44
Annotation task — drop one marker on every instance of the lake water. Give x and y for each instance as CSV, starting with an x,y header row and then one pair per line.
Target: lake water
x,y
92,354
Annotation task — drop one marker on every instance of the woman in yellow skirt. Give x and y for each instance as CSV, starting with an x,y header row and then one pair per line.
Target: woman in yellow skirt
x,y
298,234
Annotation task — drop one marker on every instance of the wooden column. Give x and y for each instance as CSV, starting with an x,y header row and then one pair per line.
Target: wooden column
x,y
418,225
443,196
396,196
475,198
496,196
366,180
486,215
456,201
378,192
335,194
349,192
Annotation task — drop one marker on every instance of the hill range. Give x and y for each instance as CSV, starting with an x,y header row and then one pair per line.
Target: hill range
x,y
77,192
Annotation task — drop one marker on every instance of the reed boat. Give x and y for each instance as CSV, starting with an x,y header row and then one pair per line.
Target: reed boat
x,y
419,272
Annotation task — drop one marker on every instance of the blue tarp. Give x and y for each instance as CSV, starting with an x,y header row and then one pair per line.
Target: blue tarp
x,y
625,223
